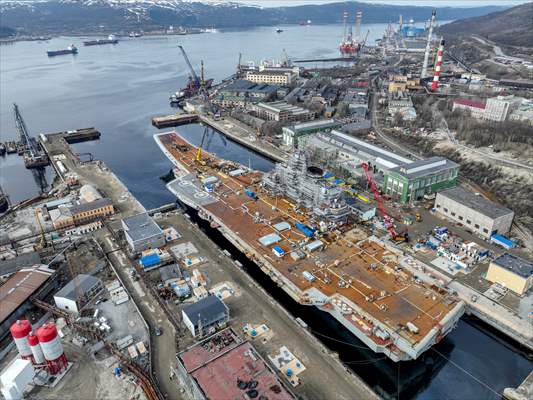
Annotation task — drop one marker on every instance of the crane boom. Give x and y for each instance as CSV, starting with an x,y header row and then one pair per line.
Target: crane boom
x,y
23,132
193,72
386,217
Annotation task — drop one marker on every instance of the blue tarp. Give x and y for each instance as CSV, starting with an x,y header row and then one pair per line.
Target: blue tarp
x,y
328,175
150,259
309,232
502,241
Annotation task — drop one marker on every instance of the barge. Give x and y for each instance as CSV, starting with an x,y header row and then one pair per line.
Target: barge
x,y
301,234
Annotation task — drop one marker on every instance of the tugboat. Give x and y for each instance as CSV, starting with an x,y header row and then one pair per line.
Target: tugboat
x,y
69,50
111,39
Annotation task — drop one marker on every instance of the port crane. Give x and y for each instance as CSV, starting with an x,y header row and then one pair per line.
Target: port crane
x,y
194,81
34,157
389,222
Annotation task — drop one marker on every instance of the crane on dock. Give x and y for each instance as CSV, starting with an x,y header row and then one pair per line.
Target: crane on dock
x,y
388,220
195,84
34,156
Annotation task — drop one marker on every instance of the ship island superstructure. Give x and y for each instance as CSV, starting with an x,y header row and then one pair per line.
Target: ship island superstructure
x,y
298,229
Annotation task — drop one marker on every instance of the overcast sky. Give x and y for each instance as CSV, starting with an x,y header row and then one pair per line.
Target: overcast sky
x,y
434,3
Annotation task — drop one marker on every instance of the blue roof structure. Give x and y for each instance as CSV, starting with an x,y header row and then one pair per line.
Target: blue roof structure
x,y
150,260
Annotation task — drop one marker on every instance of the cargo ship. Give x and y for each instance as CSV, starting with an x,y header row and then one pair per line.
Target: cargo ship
x,y
298,228
69,50
111,39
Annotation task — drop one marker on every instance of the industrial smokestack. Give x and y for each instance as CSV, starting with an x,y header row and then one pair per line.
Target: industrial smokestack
x,y
438,64
428,45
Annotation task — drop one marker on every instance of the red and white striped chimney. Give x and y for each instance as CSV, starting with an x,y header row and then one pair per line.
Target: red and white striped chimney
x,y
436,76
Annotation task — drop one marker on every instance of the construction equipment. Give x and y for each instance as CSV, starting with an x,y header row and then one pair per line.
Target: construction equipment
x,y
193,78
34,156
389,224
42,243
195,84
418,217
198,158
423,74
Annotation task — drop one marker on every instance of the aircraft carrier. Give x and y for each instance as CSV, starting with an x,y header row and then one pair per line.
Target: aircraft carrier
x,y
297,227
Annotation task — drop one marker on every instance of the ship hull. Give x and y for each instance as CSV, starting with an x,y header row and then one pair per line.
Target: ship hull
x,y
61,53
351,312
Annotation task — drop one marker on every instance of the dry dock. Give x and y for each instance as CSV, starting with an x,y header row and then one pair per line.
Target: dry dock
x,y
324,372
238,133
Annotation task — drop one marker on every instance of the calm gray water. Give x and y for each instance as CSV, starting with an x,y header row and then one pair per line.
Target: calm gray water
x,y
117,89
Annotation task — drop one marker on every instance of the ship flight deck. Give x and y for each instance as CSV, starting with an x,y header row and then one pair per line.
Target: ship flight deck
x,y
356,278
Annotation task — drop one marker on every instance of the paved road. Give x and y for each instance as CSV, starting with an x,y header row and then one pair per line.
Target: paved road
x,y
163,347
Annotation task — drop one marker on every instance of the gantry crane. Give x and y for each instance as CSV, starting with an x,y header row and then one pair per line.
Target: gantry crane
x,y
388,220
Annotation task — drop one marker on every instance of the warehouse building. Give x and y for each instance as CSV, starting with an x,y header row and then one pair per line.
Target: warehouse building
x,y
205,316
142,233
282,111
78,292
410,182
242,92
512,272
282,76
475,212
293,133
86,212
16,292
352,151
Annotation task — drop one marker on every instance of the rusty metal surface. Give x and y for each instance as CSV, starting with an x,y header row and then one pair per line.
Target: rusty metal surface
x,y
368,269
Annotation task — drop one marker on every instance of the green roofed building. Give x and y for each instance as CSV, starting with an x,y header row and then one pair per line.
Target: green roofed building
x,y
410,182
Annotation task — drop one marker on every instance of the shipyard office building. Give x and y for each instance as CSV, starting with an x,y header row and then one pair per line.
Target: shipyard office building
x,y
142,233
474,212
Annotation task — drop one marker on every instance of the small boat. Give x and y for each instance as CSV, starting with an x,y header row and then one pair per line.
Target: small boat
x,y
2,149
279,30
135,34
69,50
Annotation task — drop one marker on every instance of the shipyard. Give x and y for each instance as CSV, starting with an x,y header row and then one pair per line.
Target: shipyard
x,y
322,210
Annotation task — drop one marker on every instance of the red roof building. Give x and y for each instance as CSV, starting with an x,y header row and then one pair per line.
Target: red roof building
x,y
224,367
469,103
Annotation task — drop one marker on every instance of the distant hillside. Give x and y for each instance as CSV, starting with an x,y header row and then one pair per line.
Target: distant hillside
x,y
62,16
6,31
511,27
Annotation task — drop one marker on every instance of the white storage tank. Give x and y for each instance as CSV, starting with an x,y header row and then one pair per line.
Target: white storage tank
x,y
20,331
52,348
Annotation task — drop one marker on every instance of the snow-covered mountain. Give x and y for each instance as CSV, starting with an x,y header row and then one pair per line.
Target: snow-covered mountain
x,y
84,16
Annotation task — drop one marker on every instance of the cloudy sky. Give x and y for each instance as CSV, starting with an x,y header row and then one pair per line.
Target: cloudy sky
x,y
437,3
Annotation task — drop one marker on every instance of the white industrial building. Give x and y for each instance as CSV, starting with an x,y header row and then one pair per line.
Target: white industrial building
x,y
282,111
474,212
78,292
16,378
142,233
282,76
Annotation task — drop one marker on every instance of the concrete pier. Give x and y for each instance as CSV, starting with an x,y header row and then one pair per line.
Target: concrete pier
x,y
238,133
174,120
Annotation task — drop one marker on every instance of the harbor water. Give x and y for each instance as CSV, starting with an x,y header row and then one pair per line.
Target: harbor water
x,y
119,88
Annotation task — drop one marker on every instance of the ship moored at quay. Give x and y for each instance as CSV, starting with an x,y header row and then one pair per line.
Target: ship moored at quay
x,y
299,231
